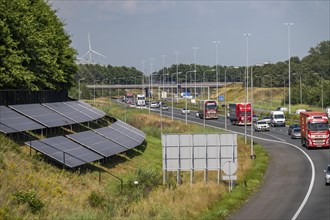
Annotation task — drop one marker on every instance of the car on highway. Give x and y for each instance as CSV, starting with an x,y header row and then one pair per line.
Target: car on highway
x,y
165,108
185,111
291,127
327,175
300,110
266,118
261,125
154,105
295,133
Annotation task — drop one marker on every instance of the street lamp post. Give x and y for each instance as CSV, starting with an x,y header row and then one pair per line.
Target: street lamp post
x,y
191,71
321,89
216,42
247,83
195,51
289,48
208,91
79,87
177,76
150,81
225,98
172,90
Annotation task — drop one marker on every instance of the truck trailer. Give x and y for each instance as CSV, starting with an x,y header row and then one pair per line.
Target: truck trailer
x,y
314,129
240,113
208,109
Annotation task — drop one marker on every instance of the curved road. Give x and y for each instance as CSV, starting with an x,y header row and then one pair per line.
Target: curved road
x,y
289,179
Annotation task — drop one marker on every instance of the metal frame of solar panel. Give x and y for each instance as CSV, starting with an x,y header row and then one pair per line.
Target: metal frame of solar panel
x,y
42,115
12,121
128,133
68,112
65,151
86,109
97,143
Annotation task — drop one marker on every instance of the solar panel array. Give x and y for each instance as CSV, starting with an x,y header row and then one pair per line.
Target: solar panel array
x,y
28,117
88,146
11,122
65,151
43,115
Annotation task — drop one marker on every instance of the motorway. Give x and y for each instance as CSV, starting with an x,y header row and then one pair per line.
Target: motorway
x,y
294,186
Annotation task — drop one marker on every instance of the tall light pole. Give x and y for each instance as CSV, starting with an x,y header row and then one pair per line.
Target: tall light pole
x,y
247,83
195,51
191,71
79,87
321,89
143,72
225,98
172,90
289,51
216,42
208,91
150,81
177,75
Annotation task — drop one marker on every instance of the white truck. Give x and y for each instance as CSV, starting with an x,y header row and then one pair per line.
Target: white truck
x,y
140,100
277,118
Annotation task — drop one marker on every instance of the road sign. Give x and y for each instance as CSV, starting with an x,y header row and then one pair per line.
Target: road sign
x,y
229,167
221,98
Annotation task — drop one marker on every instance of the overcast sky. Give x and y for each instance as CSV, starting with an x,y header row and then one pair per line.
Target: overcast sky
x,y
128,32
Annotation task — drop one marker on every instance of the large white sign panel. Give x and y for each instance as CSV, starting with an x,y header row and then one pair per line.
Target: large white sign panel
x,y
198,151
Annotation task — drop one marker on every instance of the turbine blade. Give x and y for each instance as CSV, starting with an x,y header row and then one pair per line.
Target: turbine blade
x,y
89,43
85,54
93,51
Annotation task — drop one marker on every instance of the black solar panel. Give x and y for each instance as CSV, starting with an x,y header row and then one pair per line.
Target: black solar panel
x,y
131,128
86,109
12,121
128,133
42,115
68,112
97,143
117,137
65,151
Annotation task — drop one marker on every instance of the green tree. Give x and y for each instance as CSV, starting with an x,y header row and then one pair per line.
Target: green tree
x,y
35,50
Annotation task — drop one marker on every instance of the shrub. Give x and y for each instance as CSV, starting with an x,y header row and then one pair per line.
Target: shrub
x,y
95,199
29,197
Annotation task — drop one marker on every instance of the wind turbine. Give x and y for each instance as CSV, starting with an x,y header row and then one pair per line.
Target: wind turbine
x,y
90,51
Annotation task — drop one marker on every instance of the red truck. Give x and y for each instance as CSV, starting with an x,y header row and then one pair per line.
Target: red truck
x,y
314,130
238,112
210,107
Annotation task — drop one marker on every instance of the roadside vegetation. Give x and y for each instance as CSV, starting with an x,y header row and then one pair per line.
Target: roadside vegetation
x,y
33,188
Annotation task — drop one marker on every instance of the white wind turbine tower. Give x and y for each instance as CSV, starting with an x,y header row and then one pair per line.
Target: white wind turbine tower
x,y
90,51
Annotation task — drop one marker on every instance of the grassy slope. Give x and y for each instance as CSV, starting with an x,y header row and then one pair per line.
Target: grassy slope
x,y
68,195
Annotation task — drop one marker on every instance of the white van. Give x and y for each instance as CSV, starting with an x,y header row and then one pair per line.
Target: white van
x,y
328,111
277,118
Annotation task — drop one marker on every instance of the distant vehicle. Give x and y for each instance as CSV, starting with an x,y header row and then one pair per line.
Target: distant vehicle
x,y
291,127
154,105
327,175
295,133
140,100
277,118
300,110
165,107
129,98
185,111
238,112
328,111
283,109
266,118
261,125
255,118
209,108
314,130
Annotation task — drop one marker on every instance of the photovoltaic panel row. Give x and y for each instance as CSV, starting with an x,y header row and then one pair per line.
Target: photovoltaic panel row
x,y
42,115
118,137
130,128
86,109
12,121
97,143
69,112
65,151
127,132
